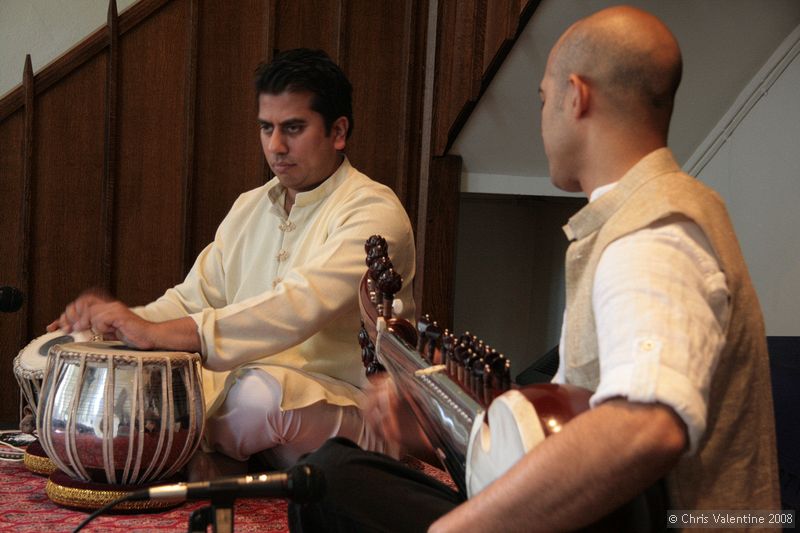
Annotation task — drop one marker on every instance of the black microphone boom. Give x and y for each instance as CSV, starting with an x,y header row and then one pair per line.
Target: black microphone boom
x,y
301,483
10,299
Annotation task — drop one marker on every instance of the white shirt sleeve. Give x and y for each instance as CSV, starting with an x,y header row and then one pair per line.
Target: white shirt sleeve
x,y
203,287
661,307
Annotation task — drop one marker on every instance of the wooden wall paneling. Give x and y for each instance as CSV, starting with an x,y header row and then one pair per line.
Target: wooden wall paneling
x,y
152,141
378,48
437,271
28,85
82,52
227,157
414,133
426,145
516,13
269,16
478,40
110,144
451,63
501,24
309,24
67,225
188,182
16,134
448,131
459,64
12,132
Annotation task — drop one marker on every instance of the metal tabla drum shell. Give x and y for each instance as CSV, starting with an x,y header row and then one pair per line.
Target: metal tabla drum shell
x,y
30,363
111,414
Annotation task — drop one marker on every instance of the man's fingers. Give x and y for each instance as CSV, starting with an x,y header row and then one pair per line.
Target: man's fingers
x,y
385,411
77,314
71,313
117,321
103,319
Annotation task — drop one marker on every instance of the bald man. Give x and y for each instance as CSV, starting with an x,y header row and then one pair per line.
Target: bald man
x,y
662,322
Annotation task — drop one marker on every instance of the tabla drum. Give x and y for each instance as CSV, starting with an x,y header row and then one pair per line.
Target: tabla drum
x,y
111,414
29,367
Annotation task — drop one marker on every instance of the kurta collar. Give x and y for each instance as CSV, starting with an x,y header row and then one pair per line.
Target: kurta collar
x,y
275,190
591,217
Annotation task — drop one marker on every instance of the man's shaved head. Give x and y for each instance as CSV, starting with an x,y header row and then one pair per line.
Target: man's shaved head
x,y
628,56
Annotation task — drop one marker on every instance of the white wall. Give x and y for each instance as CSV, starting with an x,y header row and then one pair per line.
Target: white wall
x,y
752,158
45,29
724,43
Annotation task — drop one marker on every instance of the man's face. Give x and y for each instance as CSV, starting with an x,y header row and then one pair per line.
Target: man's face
x,y
295,143
559,143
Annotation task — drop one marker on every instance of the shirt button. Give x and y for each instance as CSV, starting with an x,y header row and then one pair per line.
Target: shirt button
x,y
283,255
286,226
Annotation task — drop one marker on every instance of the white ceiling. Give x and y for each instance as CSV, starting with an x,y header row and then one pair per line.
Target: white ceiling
x,y
724,44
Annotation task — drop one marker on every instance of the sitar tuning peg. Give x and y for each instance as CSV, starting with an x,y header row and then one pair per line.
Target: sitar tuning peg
x,y
378,266
389,283
376,241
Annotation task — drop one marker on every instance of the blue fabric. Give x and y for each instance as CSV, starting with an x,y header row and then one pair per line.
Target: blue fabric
x,y
784,357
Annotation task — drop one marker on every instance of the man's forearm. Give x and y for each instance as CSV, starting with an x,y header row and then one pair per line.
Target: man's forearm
x,y
599,461
179,334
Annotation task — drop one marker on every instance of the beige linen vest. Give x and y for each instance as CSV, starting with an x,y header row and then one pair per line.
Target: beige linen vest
x,y
735,466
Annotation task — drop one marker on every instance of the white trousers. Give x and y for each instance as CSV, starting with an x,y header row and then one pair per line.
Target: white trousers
x,y
250,421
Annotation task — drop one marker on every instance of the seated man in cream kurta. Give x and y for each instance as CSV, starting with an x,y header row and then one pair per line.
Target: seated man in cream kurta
x,y
271,304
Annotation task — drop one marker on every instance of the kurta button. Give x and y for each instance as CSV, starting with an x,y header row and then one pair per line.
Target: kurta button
x,y
283,255
275,282
286,226
646,346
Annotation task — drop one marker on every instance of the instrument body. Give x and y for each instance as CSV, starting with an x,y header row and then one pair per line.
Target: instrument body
x,y
478,426
111,414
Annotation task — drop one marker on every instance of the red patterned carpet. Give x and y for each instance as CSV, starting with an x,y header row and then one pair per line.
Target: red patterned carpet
x,y
24,507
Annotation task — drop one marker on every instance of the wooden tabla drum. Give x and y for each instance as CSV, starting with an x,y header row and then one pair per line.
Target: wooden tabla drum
x,y
115,415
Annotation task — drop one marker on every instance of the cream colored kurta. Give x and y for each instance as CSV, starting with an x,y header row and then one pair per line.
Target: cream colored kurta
x,y
280,292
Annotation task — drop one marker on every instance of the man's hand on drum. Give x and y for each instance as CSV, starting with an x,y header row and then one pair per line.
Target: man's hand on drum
x,y
115,320
76,316
96,311
108,318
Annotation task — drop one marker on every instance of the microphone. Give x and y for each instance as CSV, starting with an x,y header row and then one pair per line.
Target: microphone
x,y
10,299
301,483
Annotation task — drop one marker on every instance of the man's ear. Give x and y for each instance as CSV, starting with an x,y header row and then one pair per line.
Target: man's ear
x,y
579,94
339,132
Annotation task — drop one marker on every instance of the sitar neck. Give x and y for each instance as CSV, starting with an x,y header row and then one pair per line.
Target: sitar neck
x,y
447,380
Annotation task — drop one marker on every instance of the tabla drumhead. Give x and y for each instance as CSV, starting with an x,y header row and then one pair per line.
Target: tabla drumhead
x,y
32,359
31,362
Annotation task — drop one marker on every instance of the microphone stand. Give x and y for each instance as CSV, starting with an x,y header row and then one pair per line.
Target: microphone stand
x,y
300,483
218,515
